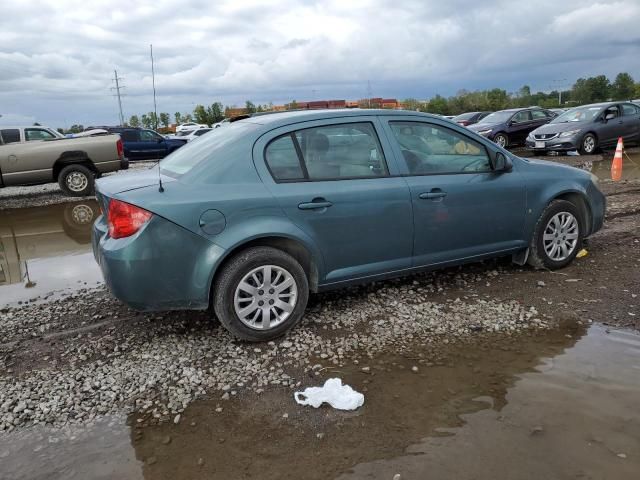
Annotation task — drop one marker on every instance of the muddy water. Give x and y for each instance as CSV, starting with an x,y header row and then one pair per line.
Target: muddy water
x,y
630,167
558,405
46,250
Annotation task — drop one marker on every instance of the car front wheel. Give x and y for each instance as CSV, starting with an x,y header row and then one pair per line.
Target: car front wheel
x,y
589,144
260,294
557,236
502,140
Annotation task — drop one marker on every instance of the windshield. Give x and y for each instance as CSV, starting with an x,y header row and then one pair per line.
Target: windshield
x,y
185,158
465,116
579,114
496,117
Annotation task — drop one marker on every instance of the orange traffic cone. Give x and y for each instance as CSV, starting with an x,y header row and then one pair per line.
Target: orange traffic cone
x,y
616,165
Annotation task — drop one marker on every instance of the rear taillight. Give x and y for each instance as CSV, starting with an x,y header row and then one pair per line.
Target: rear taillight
x,y
120,148
125,219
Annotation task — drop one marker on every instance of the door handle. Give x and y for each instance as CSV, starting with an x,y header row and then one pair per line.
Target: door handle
x,y
433,194
315,204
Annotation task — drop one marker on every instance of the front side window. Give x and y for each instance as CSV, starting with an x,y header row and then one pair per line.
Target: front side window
x,y
10,135
433,149
31,134
522,117
149,136
332,152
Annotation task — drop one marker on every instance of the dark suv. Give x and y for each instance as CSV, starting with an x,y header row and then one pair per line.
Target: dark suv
x,y
511,127
143,144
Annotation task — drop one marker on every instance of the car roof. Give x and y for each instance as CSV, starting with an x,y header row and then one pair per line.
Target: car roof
x,y
274,119
6,127
601,104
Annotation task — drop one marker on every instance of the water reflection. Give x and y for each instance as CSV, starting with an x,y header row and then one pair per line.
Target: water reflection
x,y
46,249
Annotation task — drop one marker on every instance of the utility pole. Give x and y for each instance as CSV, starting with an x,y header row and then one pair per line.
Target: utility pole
x,y
560,84
369,92
117,89
153,80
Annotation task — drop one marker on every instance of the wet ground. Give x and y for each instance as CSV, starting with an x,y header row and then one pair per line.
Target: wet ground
x,y
560,403
557,405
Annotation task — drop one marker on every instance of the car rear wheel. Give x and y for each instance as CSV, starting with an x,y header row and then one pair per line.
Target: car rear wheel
x,y
76,180
260,294
557,236
589,144
502,140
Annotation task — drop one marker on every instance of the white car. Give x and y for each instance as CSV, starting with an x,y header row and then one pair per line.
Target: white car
x,y
189,126
192,135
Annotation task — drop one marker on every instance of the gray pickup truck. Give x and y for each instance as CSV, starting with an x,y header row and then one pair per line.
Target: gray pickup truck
x,y
36,155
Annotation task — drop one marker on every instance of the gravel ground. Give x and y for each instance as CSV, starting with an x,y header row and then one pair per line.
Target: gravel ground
x,y
72,361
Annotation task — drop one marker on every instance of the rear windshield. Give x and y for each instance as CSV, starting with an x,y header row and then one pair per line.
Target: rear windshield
x,y
185,158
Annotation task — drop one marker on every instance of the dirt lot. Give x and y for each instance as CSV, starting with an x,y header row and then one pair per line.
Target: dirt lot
x,y
450,362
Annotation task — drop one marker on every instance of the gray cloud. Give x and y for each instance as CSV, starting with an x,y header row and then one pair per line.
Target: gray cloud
x,y
57,57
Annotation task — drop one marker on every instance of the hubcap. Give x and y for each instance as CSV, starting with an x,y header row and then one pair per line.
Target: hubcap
x,y
589,144
77,181
265,297
82,214
501,140
561,236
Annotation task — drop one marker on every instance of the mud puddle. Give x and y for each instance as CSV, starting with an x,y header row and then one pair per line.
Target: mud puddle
x,y
45,251
562,404
630,167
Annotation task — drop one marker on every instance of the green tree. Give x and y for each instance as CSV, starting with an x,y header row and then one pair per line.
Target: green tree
x,y
438,104
134,121
411,104
76,128
200,114
178,117
187,118
164,119
623,87
145,121
249,105
293,105
215,113
497,99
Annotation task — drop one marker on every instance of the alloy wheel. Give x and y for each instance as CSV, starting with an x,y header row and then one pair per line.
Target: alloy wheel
x,y
560,236
501,140
589,144
265,297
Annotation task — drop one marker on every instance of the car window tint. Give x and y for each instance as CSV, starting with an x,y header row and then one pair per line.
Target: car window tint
x,y
628,109
520,117
433,149
10,135
350,150
282,159
129,136
37,134
148,136
539,115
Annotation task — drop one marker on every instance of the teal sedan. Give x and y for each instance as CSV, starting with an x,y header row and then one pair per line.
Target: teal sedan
x,y
251,218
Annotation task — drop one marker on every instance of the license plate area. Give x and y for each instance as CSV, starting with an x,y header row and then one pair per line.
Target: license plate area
x,y
540,145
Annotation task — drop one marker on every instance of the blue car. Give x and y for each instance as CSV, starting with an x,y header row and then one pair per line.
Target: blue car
x,y
509,128
253,217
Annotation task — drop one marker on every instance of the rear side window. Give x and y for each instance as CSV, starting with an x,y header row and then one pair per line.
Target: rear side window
x,y
10,135
332,152
540,115
628,109
434,149
129,136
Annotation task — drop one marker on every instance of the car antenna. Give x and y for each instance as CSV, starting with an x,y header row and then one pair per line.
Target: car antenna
x,y
160,187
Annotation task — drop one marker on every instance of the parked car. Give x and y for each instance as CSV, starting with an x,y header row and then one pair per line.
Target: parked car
x,y
189,135
144,144
558,111
221,123
588,127
251,218
34,155
187,127
510,127
469,118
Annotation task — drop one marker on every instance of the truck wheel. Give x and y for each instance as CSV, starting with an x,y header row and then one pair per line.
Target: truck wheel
x,y
557,237
76,180
260,294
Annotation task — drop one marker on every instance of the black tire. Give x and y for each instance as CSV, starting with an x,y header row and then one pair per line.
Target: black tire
x,y
232,274
538,257
589,144
76,180
499,138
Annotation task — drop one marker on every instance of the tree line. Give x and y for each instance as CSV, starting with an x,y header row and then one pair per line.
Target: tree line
x,y
583,91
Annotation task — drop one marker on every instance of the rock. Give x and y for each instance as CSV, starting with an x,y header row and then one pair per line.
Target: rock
x,y
176,419
200,461
621,455
397,477
166,440
415,369
319,436
151,460
541,283
537,430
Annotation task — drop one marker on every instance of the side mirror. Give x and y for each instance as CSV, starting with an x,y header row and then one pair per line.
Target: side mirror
x,y
502,163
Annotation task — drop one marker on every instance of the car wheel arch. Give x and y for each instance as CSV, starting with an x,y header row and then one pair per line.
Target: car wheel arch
x,y
577,198
297,248
72,158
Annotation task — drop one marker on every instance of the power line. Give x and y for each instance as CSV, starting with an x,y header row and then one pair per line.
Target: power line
x,y
117,88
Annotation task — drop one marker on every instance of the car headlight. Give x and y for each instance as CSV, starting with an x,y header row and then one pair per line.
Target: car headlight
x,y
570,133
484,133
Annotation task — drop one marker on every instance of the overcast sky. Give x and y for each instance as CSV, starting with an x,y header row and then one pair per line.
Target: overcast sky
x,y
57,57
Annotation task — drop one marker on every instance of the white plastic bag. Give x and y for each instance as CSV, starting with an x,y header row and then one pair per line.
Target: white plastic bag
x,y
333,392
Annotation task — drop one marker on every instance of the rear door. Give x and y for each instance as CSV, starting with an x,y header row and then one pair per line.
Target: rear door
x,y
152,144
337,181
461,208
631,122
611,129
520,126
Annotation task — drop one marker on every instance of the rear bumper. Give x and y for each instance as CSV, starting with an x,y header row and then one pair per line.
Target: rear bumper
x,y
161,267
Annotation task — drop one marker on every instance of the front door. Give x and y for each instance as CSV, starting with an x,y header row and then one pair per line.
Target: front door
x,y
462,209
337,183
